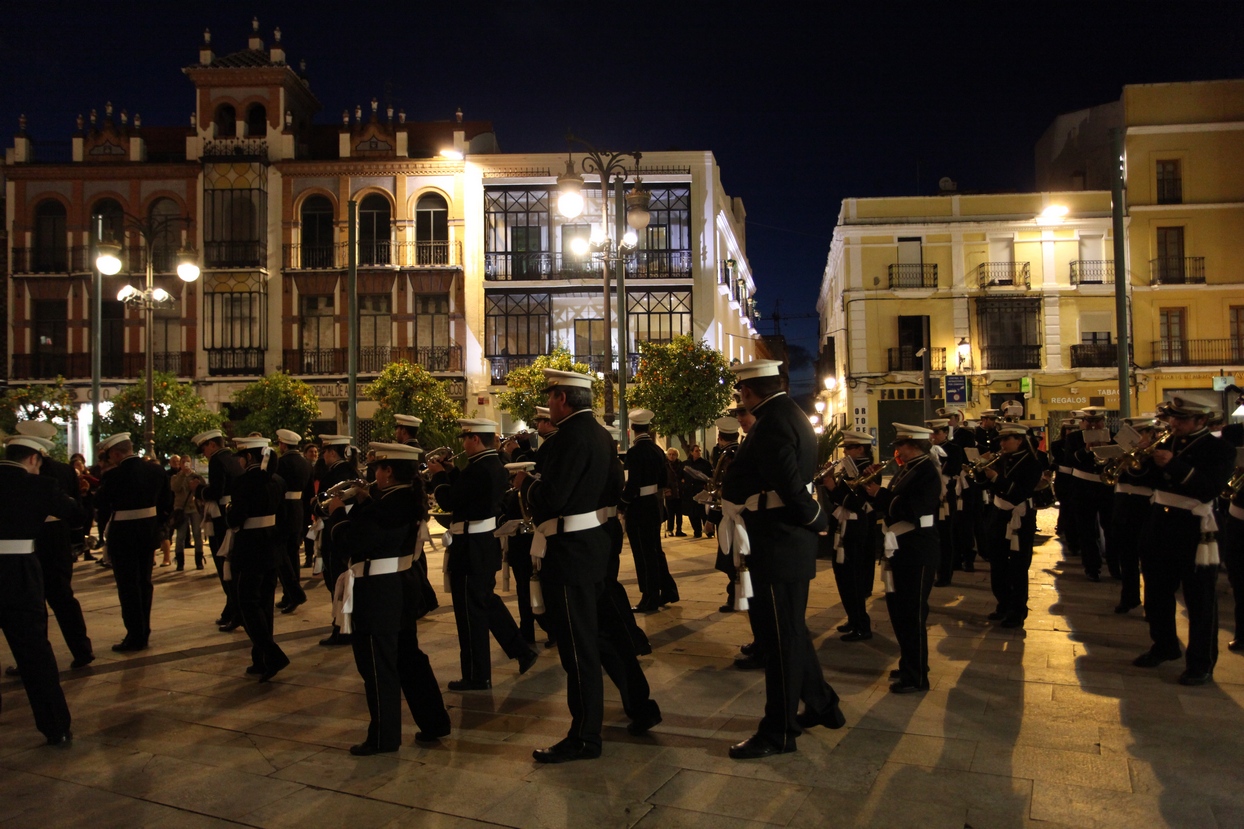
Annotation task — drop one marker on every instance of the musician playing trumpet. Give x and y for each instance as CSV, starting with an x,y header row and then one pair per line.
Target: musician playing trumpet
x,y
518,551
1012,523
857,537
1133,491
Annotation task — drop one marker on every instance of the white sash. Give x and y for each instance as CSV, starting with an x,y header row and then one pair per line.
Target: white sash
x,y
16,546
1207,549
568,524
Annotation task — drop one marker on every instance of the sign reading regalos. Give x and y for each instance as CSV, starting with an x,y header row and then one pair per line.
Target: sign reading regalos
x,y
1076,395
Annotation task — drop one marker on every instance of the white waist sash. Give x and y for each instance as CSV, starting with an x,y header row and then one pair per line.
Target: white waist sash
x,y
893,531
134,514
1018,511
16,546
606,513
485,525
1095,477
562,524
258,522
651,489
1132,489
732,532
293,496
381,566
1207,549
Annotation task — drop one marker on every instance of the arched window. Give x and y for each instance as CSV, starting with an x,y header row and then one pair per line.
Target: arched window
x,y
432,230
167,238
51,253
226,121
256,121
374,234
317,233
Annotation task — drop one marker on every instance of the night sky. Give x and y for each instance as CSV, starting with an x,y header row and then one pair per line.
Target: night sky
x,y
801,108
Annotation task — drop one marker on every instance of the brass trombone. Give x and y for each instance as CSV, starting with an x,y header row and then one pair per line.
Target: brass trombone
x,y
1131,462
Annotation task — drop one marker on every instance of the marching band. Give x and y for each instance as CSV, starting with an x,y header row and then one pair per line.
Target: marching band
x,y
1162,499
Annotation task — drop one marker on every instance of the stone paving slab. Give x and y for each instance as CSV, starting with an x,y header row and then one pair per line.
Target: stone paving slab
x,y
1047,727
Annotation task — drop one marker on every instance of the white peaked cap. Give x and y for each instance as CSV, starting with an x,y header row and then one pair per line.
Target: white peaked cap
x,y
288,436
727,423
478,425
43,445
756,368
395,451
408,420
520,466
335,440
203,437
906,431
112,440
36,429
555,377
640,417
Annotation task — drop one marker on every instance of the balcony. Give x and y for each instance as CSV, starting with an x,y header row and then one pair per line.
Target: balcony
x,y
501,366
596,363
235,254
1177,270
51,260
235,362
991,275
335,256
1092,272
372,359
904,358
1225,352
112,365
913,276
544,266
1094,355
234,149
1010,357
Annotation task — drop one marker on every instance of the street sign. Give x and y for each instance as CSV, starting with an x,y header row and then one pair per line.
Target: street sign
x,y
956,389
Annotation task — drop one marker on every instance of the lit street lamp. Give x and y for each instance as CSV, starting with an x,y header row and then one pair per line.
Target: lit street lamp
x,y
148,298
603,248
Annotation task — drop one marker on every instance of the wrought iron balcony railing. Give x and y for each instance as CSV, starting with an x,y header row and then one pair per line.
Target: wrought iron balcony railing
x,y
546,265
913,276
230,362
1177,270
68,260
1094,355
335,255
1010,357
235,254
372,359
904,358
1004,275
111,365
1222,352
1092,272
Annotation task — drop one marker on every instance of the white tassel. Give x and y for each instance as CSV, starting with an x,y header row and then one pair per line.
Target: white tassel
x,y
841,557
745,583
318,568
1207,554
887,578
228,572
740,602
537,596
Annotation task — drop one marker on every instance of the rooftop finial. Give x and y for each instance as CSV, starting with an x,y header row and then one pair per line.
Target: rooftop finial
x,y
255,24
108,110
207,36
401,116
358,113
458,114
81,122
302,66
389,112
345,116
125,119
94,117
276,34
138,121
194,119
21,123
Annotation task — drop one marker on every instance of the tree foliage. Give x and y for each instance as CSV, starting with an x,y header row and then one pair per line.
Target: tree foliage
x,y
408,388
277,401
522,394
685,383
53,402
180,414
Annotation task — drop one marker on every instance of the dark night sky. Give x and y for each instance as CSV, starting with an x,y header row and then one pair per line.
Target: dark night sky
x,y
801,108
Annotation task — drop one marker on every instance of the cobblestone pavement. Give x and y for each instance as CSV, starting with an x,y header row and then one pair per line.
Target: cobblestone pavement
x,y
1046,727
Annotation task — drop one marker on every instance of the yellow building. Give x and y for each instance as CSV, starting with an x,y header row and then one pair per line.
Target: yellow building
x,y
1015,291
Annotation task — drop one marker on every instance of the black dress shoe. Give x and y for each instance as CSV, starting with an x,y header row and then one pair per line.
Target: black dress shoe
x,y
565,751
832,717
969,567
1093,576
526,660
254,670
127,646
283,603
846,627
668,598
82,661
470,684
756,747
750,647
221,621
229,627
1152,658
941,582
61,740
1236,645
644,723
644,649
367,750
726,608
1195,678
334,639
552,643
996,616
1012,622
645,606
12,671
750,662
857,636
902,686
431,736
1123,607
896,674
294,605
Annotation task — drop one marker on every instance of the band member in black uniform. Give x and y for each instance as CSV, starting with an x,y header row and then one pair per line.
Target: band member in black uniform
x,y
522,450
544,425
222,468
908,505
986,434
133,502
26,502
856,539
295,471
1012,523
1232,541
339,467
406,430
1093,498
1065,483
567,502
1178,547
53,548
474,557
615,603
986,437
641,501
259,542
1132,497
948,521
518,552
380,538
767,505
723,456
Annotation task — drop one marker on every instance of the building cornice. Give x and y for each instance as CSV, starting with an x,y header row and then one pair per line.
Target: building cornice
x,y
1180,208
368,167
111,171
1168,129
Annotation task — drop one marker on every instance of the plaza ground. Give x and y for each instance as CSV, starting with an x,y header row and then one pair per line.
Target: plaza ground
x,y
1046,727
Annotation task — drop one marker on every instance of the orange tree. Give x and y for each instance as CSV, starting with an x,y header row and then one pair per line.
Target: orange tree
x,y
685,383
408,388
180,414
522,393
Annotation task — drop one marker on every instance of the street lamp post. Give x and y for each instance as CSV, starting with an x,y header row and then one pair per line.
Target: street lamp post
x,y
149,298
603,248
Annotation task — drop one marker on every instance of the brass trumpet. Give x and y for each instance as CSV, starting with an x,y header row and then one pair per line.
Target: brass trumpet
x,y
984,462
868,477
1234,485
442,455
353,490
1131,462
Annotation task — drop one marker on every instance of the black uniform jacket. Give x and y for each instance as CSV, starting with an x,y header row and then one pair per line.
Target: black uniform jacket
x,y
1077,455
295,470
574,469
953,463
384,526
779,456
1201,466
914,491
645,466
1018,476
134,484
57,535
963,438
986,439
257,493
25,503
222,468
476,495
337,473
857,530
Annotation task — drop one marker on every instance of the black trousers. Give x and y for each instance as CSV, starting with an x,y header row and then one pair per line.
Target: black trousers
x,y
947,550
1128,518
24,619
58,590
230,611
291,584
1008,573
1231,548
1168,545
419,685
913,566
572,610
695,514
376,657
615,593
855,577
643,529
1093,505
256,591
131,570
977,511
519,559
673,514
478,611
1065,491
792,670
962,530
